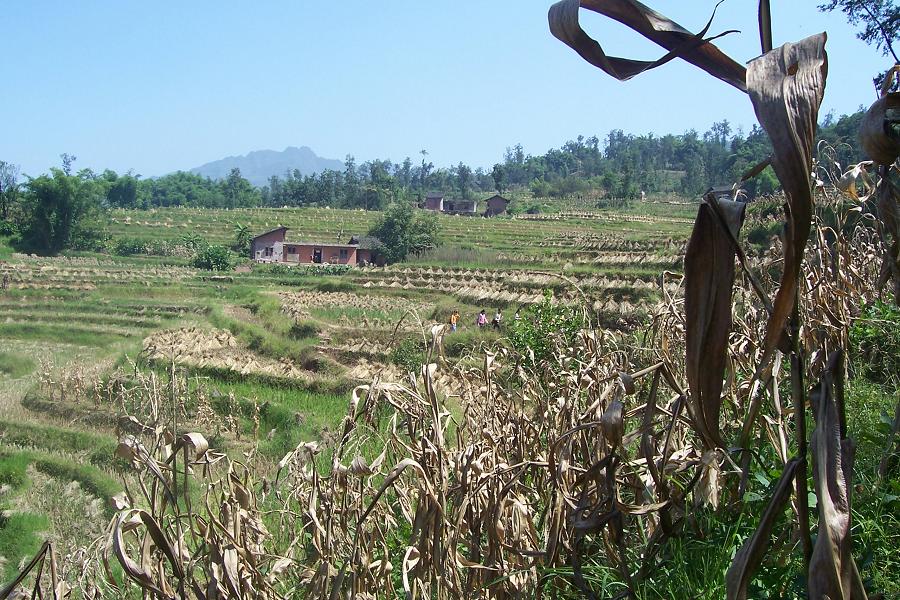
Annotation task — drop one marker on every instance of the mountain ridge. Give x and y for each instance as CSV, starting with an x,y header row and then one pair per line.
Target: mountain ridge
x,y
257,166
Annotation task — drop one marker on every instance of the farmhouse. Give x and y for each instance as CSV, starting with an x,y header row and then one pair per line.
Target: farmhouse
x,y
461,207
434,202
273,247
496,205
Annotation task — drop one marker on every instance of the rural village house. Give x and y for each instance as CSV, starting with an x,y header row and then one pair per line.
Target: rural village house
x,y
496,205
273,247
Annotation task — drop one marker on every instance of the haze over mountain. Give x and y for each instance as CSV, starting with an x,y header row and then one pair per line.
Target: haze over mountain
x,y
258,166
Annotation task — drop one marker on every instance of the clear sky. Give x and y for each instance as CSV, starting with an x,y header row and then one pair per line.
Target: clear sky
x,y
162,85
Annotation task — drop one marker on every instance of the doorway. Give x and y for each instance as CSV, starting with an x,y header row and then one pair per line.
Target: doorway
x,y
317,255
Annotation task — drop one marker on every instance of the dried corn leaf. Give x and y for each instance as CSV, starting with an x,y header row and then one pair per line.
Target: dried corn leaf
x,y
889,217
878,140
831,568
679,42
765,25
709,278
747,559
786,87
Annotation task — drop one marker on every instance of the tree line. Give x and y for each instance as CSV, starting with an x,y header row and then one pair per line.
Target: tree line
x,y
67,209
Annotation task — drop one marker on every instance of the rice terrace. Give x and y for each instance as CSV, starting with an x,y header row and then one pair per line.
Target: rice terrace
x,y
636,365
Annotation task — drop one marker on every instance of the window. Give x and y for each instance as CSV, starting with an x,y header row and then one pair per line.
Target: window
x,y
269,251
292,250
343,254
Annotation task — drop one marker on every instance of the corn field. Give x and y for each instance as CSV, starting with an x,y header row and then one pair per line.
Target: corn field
x,y
508,482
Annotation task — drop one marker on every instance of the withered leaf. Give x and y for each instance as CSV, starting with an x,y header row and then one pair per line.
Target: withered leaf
x,y
889,217
679,42
786,87
880,144
709,278
831,568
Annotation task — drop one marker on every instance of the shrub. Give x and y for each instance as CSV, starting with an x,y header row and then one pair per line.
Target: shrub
x,y
876,337
542,325
214,258
409,355
335,286
8,228
303,329
128,246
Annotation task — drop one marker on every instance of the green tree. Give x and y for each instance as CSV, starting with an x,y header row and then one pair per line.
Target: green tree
x,y
403,231
237,191
879,19
63,211
498,173
463,179
123,191
242,238
9,188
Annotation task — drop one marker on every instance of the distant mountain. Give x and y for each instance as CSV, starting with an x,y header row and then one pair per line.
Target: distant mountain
x,y
258,166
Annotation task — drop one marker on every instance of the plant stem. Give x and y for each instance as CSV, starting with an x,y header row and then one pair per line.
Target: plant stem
x,y
797,393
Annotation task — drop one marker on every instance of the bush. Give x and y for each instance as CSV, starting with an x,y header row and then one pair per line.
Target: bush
x,y
303,329
214,258
8,228
876,337
542,325
408,355
128,246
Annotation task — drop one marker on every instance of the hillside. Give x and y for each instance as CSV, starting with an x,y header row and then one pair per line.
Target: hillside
x,y
258,166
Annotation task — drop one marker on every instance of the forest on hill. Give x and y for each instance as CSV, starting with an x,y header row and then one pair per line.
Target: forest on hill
x,y
618,166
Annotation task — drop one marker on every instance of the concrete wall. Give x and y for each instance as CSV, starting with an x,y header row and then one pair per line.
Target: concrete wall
x,y
258,246
330,254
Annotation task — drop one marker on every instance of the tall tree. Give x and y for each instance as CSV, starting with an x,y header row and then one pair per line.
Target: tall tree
x,y
498,173
9,186
463,179
237,191
879,20
62,211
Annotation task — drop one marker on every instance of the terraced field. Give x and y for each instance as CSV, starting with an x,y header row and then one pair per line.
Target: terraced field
x,y
260,361
521,241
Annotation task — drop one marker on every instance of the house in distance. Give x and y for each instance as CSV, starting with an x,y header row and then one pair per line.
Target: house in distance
x,y
495,205
272,247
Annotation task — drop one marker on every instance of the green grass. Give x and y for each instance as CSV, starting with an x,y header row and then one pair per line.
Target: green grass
x,y
12,470
47,332
98,449
14,365
295,414
20,537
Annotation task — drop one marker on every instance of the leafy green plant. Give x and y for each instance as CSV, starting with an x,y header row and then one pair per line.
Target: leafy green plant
x,y
876,337
543,325
8,228
408,354
214,258
128,246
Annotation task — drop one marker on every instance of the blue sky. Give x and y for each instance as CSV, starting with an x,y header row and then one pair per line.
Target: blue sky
x,y
165,85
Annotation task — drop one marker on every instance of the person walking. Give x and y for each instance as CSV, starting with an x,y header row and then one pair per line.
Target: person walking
x,y
482,319
495,323
454,319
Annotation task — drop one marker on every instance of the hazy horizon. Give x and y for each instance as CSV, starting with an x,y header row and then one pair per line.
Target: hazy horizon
x,y
159,89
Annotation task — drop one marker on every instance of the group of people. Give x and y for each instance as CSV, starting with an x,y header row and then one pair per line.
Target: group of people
x,y
481,320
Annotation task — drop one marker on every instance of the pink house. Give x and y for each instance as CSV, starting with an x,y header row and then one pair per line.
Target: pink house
x,y
272,247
